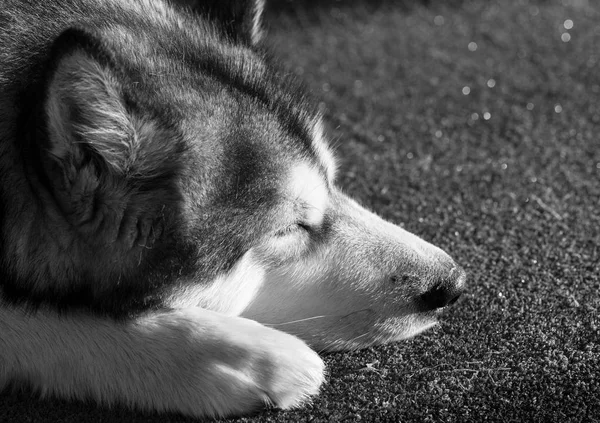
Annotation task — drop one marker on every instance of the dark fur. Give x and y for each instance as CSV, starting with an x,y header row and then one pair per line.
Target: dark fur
x,y
218,72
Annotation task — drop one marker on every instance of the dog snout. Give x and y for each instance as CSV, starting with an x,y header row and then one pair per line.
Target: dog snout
x,y
446,291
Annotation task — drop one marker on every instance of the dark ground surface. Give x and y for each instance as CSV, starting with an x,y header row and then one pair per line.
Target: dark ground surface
x,y
513,196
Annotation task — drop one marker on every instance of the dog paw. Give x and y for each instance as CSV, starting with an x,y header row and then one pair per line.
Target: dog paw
x,y
288,371
210,364
264,366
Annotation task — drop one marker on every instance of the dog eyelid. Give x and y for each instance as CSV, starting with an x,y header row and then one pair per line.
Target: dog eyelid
x,y
304,226
294,227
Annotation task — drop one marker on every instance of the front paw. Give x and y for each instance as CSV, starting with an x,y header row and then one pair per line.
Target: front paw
x,y
191,361
267,366
288,371
209,364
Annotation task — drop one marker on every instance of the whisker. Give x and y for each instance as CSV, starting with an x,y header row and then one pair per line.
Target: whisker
x,y
339,316
302,320
356,337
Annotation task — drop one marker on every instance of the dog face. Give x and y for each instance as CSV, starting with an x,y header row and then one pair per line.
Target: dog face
x,y
187,171
334,274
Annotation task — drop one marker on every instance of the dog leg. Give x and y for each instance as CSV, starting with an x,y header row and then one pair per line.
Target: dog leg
x,y
191,361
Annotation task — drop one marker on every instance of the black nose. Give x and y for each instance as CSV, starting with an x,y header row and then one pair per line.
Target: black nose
x,y
446,291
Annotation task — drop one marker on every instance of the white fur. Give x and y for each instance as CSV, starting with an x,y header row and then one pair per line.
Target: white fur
x,y
229,294
323,150
192,361
308,189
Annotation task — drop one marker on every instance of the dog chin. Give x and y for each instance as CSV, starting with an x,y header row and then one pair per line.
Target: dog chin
x,y
384,331
396,329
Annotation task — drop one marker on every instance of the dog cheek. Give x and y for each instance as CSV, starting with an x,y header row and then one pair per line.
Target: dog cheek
x,y
276,252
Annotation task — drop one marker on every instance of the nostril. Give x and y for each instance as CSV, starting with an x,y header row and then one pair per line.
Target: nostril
x,y
440,297
455,299
446,292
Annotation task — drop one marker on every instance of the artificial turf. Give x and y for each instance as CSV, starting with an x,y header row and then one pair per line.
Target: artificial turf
x,y
476,125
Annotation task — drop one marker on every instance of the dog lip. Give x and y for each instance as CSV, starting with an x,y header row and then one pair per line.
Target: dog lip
x,y
393,330
431,314
423,308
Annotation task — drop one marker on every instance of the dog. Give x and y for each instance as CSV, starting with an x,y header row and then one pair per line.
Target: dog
x,y
171,234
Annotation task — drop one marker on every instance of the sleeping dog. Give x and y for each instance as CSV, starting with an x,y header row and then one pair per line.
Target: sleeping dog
x,y
171,235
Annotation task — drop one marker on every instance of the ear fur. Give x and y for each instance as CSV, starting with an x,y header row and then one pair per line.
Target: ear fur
x,y
84,107
241,20
100,154
91,140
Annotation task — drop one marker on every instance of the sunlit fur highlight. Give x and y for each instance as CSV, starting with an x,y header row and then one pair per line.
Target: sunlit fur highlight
x,y
229,293
323,150
308,189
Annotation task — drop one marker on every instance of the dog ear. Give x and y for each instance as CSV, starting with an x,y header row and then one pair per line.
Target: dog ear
x,y
239,19
84,106
111,167
90,135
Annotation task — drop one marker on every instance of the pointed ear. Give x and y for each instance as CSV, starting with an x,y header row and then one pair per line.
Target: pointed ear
x,y
84,107
90,136
240,19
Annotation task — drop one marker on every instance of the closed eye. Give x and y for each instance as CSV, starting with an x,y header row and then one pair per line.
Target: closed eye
x,y
292,229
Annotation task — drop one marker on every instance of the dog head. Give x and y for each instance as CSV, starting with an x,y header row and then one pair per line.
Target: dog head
x,y
177,166
323,268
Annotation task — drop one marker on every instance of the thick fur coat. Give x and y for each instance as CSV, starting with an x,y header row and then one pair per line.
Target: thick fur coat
x,y
171,235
